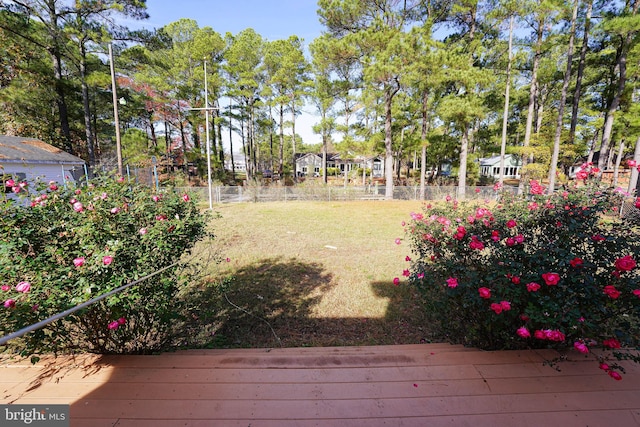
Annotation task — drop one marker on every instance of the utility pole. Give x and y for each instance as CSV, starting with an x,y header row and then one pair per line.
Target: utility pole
x,y
115,111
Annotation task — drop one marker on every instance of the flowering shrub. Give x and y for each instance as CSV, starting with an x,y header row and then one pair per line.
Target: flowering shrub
x,y
531,272
63,245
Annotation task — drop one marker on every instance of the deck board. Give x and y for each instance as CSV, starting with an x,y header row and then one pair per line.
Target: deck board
x,y
414,385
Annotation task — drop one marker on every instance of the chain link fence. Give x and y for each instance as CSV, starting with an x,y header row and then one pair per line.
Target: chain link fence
x,y
238,194
629,212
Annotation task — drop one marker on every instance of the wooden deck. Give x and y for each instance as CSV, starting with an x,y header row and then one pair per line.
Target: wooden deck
x,y
405,385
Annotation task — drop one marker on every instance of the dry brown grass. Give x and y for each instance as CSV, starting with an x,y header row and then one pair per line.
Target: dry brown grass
x,y
313,274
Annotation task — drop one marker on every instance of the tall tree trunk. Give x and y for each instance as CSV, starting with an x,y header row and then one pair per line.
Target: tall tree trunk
x,y
532,102
281,159
271,139
233,164
293,138
616,169
563,100
505,115
218,114
592,147
325,141
621,66
214,143
56,60
389,93
154,138
167,137
462,171
247,164
423,137
578,90
85,105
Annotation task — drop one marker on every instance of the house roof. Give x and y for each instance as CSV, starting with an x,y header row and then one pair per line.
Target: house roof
x,y
488,161
16,149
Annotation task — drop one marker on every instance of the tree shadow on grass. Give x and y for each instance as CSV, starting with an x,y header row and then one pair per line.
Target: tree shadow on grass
x,y
271,303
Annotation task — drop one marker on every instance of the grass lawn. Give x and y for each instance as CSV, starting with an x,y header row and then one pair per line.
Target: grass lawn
x,y
311,274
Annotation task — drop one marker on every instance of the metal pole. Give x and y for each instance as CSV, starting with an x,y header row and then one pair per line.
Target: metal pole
x,y
115,111
206,115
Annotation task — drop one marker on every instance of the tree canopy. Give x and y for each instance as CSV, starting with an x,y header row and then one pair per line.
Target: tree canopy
x,y
418,82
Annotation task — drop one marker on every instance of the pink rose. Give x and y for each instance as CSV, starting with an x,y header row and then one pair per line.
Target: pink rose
x,y
636,292
155,198
185,197
77,206
476,244
142,231
115,210
576,262
581,347
396,281
506,305
452,282
122,321
10,183
532,287
535,187
554,335
10,303
497,308
616,376
511,223
626,263
78,262
611,343
611,291
484,293
551,279
523,332
23,287
106,260
5,287
113,325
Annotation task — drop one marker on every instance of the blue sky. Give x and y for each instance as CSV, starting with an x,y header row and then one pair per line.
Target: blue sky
x,y
272,19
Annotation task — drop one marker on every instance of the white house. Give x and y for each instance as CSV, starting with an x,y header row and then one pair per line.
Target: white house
x,y
30,159
239,162
490,166
310,164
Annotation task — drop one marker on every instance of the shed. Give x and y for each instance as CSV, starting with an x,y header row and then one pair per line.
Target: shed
x,y
31,159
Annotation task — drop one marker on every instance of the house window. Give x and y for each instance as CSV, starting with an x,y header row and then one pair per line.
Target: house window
x,y
496,171
304,170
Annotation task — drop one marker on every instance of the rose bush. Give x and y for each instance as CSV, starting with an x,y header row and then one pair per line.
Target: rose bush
x,y
65,244
539,271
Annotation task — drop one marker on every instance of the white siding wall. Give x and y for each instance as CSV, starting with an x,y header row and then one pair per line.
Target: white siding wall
x,y
45,172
